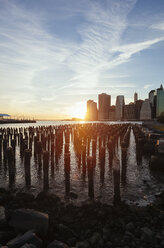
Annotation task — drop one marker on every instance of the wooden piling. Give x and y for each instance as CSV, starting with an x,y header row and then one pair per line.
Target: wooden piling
x,y
0,147
27,166
116,177
46,169
90,177
67,172
102,163
11,167
4,149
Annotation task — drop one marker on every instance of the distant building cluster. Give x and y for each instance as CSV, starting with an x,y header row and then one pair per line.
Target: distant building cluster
x,y
149,109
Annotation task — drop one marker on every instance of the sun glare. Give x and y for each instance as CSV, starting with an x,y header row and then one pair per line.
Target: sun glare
x,y
79,110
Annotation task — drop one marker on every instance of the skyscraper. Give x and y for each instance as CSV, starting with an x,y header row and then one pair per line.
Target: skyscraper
x,y
146,113
138,106
112,111
104,102
120,108
152,100
135,97
160,101
91,114
129,112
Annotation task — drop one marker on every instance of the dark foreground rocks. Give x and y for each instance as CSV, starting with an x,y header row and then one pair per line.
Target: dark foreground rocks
x,y
44,221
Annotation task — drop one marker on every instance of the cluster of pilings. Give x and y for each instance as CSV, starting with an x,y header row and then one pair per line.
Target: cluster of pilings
x,y
140,140
139,135
92,142
143,141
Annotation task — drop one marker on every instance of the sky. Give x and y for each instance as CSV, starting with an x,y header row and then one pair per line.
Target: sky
x,y
57,54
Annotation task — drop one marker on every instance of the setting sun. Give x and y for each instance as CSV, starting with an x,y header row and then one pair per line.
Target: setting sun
x,y
79,110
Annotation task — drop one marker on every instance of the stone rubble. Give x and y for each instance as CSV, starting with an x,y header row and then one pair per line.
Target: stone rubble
x,y
47,222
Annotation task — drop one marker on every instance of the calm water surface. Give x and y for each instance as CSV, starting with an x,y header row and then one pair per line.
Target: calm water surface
x,y
139,186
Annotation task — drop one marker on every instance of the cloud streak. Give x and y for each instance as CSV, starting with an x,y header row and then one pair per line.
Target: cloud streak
x,y
40,65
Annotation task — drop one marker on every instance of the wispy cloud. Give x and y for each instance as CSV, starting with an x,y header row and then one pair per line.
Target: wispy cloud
x,y
40,65
158,26
147,86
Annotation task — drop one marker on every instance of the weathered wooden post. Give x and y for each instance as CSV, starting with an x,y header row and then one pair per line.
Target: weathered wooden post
x,y
48,141
30,142
4,148
124,159
84,160
0,147
13,145
52,145
88,146
116,177
35,145
66,148
90,177
46,169
67,172
94,152
11,167
102,163
39,152
27,166
110,150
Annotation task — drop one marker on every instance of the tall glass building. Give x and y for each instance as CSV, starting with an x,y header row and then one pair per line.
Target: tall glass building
x,y
160,102
104,102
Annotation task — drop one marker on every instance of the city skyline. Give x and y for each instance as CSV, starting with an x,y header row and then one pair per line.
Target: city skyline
x,y
151,108
55,55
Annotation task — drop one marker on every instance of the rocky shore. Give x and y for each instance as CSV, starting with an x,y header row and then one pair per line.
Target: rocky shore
x,y
45,221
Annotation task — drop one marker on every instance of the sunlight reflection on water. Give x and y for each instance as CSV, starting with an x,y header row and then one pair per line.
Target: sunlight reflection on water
x,y
139,185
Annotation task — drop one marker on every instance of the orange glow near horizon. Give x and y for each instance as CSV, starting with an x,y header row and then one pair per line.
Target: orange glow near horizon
x,y
79,110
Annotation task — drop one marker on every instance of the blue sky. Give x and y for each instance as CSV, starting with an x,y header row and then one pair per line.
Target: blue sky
x,y
57,54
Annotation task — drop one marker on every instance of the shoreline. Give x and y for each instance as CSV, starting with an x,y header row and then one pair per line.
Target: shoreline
x,y
91,225
16,121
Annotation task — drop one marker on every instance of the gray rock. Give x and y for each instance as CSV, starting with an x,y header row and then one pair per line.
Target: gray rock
x,y
57,244
65,233
28,237
3,222
147,232
108,244
147,235
106,234
27,219
82,244
2,213
162,244
28,246
95,239
5,236
129,234
130,226
72,241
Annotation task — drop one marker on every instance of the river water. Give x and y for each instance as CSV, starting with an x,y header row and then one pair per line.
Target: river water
x,y
138,187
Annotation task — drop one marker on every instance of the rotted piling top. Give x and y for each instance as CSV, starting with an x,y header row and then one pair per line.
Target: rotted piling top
x,y
27,153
